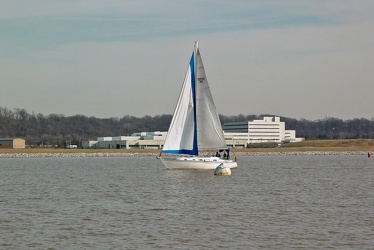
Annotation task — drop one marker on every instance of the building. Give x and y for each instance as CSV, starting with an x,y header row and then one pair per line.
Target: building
x,y
269,129
237,135
142,140
12,143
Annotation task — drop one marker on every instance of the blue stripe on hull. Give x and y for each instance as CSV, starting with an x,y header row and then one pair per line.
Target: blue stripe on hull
x,y
181,151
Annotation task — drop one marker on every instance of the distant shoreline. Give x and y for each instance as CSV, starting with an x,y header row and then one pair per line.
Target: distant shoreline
x,y
60,153
311,147
92,155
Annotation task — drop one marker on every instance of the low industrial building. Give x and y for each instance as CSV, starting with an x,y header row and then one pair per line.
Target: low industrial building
x,y
12,143
141,140
237,135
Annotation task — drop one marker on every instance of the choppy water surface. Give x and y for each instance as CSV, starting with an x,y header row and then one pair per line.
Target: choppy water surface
x,y
272,202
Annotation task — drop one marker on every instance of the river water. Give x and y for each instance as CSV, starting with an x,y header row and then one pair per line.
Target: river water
x,y
271,202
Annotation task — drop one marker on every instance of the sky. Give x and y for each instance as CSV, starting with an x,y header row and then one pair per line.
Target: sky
x,y
298,59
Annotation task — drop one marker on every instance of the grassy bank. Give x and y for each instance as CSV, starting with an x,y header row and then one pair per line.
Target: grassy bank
x,y
305,146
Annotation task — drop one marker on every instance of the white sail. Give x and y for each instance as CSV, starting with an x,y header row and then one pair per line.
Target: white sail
x,y
195,124
181,137
209,129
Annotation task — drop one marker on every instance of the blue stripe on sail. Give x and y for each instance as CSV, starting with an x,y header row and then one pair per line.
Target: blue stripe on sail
x,y
195,150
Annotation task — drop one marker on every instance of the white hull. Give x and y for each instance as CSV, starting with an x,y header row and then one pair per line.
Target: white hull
x,y
196,163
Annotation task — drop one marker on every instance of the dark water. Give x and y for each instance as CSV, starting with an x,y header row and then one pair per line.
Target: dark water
x,y
280,202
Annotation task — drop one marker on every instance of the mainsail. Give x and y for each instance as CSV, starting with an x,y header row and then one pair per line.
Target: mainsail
x,y
195,124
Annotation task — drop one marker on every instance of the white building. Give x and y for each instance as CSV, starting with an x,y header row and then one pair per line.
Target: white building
x,y
137,140
269,129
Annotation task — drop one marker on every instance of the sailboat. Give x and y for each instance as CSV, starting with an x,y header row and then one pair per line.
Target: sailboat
x,y
195,125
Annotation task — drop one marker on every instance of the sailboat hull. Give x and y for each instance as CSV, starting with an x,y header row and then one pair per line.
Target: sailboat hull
x,y
196,163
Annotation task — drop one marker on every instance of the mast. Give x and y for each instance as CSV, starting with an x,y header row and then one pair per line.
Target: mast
x,y
194,87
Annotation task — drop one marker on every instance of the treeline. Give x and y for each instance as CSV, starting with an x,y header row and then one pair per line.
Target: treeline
x,y
58,129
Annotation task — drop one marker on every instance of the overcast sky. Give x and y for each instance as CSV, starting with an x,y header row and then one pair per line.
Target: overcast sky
x,y
299,59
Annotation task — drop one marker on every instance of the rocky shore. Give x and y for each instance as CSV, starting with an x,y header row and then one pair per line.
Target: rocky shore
x,y
140,154
60,155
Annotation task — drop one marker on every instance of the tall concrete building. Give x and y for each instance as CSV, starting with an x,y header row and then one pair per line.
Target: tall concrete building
x,y
269,129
